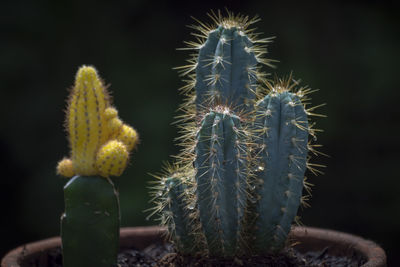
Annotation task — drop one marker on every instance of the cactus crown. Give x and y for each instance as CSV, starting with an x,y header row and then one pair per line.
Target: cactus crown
x,y
100,142
237,184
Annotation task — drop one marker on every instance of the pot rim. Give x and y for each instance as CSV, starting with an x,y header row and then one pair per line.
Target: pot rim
x,y
305,238
339,243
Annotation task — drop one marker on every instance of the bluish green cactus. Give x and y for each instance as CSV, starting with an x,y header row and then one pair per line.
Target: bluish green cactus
x,y
221,164
245,144
224,71
175,207
226,68
283,126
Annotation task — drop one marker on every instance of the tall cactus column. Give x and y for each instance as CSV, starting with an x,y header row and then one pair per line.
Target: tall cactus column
x,y
226,83
221,181
100,143
283,127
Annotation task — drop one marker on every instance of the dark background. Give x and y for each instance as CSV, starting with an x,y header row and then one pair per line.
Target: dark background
x,y
350,51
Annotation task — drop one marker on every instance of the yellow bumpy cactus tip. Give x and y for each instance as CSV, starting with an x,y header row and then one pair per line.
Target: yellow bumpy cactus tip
x,y
112,158
65,168
128,136
100,142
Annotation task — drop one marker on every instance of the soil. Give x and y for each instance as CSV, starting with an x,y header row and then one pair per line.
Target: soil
x,y
165,255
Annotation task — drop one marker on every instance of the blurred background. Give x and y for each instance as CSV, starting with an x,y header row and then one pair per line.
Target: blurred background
x,y
350,51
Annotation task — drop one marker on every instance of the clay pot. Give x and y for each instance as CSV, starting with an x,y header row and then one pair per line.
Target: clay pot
x,y
307,239
340,244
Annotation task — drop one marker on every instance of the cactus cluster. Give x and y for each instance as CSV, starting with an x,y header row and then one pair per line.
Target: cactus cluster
x,y
100,144
236,186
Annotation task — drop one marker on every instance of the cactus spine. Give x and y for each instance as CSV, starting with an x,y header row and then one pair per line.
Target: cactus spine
x,y
245,143
100,143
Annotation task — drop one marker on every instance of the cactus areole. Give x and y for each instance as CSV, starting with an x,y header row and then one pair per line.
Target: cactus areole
x,y
100,144
238,182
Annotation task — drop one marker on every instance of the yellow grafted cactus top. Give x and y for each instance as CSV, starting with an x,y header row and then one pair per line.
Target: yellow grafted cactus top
x,y
100,142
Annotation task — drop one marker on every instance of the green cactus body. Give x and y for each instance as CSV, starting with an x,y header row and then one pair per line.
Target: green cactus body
x,y
176,211
282,120
225,73
90,221
245,142
221,181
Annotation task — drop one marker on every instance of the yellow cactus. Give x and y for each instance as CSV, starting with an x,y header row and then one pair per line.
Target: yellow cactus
x,y
65,168
114,125
112,158
128,136
93,125
110,113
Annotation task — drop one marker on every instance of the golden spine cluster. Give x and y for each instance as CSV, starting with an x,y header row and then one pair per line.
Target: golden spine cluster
x,y
100,142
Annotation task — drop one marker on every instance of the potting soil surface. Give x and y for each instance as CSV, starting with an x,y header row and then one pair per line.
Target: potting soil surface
x,y
165,255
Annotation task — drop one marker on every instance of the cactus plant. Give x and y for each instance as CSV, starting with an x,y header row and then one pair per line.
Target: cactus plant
x,y
100,143
238,182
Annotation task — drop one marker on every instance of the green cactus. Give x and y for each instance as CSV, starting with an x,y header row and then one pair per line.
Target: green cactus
x,y
245,144
283,126
175,207
223,73
90,223
221,180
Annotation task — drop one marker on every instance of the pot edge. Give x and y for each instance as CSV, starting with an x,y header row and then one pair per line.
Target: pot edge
x,y
306,238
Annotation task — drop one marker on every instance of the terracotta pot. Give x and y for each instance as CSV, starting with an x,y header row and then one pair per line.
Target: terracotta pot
x,y
308,239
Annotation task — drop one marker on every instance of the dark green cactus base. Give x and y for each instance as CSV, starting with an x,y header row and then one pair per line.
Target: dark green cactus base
x,y
90,224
